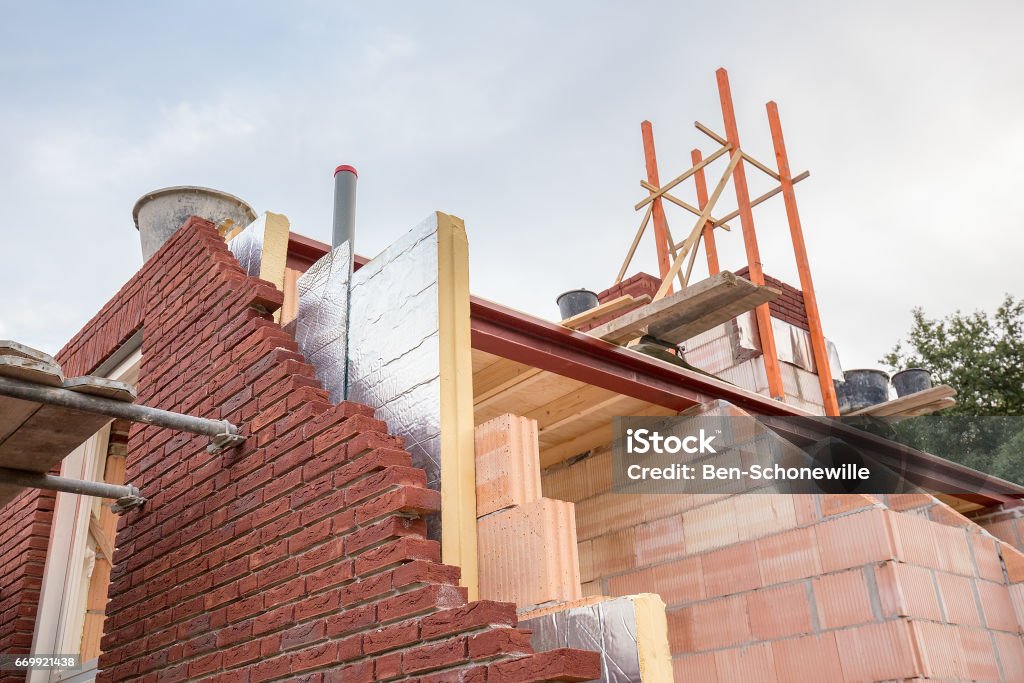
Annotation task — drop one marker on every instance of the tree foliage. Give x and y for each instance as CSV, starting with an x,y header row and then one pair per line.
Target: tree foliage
x,y
982,357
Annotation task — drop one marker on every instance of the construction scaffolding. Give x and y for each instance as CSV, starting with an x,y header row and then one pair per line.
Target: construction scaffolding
x,y
672,255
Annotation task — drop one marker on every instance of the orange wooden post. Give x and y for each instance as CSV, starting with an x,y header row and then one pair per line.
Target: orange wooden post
x,y
702,200
828,390
739,180
658,212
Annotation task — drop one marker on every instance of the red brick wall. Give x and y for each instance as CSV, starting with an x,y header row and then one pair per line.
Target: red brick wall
x,y
789,306
24,534
300,555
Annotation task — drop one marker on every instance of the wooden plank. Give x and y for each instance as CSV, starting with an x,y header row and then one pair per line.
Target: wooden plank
x,y
17,350
592,438
47,436
691,241
608,307
689,207
103,543
572,406
29,370
458,461
754,202
100,386
918,403
508,376
661,238
633,246
746,157
660,191
684,312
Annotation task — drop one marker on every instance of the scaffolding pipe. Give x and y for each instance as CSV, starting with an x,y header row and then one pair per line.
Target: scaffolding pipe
x,y
106,406
51,483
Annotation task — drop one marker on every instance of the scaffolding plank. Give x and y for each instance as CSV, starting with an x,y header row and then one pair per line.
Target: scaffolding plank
x,y
100,386
30,370
918,403
47,436
17,350
683,315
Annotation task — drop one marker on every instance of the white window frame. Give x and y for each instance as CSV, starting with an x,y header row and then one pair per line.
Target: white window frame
x,y
70,556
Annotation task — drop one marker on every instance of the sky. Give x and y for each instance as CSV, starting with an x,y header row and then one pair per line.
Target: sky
x,y
522,118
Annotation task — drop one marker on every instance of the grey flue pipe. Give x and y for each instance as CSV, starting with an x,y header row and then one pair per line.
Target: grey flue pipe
x,y
344,207
51,483
107,406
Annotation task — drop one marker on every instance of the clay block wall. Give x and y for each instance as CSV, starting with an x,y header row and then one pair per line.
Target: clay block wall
x,y
797,588
24,534
1006,525
300,555
526,543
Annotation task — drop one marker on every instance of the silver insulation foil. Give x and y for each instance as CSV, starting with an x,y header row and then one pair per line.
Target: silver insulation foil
x,y
375,340
247,246
321,321
393,350
607,627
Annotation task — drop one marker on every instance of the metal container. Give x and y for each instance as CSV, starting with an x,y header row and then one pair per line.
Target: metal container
x,y
861,389
575,301
159,214
911,381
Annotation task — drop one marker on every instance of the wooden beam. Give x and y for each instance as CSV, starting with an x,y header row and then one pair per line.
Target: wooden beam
x,y
659,191
574,405
766,196
685,205
636,242
660,222
514,379
497,377
746,157
105,544
458,459
608,307
710,248
691,241
803,266
680,313
739,180
918,403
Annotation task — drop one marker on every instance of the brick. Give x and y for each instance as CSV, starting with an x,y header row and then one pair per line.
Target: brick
x,y
842,599
527,554
809,658
435,655
876,652
779,612
731,570
507,463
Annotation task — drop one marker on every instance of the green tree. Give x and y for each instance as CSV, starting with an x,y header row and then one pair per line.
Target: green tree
x,y
979,355
982,357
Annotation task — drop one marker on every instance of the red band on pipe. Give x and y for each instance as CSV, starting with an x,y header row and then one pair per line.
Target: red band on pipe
x,y
346,167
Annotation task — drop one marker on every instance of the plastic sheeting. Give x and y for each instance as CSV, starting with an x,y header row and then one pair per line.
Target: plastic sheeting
x,y
607,627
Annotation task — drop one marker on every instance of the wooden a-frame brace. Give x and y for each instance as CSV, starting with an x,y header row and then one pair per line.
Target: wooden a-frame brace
x,y
729,144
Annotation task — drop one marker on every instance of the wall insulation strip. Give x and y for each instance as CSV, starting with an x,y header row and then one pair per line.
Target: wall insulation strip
x,y
630,632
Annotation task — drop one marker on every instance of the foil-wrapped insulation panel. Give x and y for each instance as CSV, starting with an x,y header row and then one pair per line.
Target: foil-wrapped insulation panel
x,y
608,627
393,349
247,246
321,322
